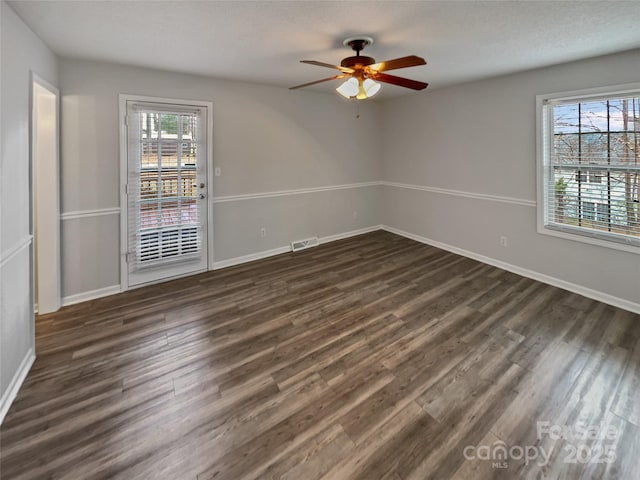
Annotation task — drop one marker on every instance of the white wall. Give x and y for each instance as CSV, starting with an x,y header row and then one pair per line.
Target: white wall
x,y
479,138
266,139
22,52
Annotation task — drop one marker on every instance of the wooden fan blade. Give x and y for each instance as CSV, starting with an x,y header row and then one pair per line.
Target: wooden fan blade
x,y
403,62
401,82
318,81
328,65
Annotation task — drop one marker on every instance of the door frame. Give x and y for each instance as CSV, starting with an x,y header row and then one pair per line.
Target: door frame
x,y
49,262
123,98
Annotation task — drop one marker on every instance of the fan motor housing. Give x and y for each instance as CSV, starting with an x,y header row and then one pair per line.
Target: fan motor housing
x,y
351,62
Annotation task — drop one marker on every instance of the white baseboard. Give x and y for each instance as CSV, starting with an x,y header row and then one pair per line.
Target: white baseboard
x,y
16,382
103,292
277,251
230,262
90,295
541,277
352,233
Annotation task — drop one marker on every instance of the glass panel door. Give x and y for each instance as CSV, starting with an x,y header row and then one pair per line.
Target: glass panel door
x,y
166,191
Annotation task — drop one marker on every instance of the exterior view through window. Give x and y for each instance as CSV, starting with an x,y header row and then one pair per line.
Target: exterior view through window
x,y
168,190
592,167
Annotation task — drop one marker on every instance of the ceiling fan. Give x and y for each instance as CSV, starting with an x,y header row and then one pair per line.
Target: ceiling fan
x,y
363,73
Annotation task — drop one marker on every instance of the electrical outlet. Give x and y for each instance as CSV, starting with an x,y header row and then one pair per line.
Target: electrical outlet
x,y
263,232
503,241
217,171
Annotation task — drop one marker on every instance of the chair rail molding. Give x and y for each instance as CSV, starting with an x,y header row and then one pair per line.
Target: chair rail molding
x,y
99,212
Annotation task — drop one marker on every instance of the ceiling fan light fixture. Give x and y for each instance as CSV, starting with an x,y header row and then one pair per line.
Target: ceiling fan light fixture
x,y
371,87
349,89
362,94
359,89
365,75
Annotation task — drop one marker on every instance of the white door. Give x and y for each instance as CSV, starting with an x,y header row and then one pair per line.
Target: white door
x,y
166,189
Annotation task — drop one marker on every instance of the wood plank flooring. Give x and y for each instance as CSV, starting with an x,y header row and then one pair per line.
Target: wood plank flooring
x,y
374,357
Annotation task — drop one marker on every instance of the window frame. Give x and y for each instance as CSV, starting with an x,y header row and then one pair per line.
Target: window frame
x,y
544,144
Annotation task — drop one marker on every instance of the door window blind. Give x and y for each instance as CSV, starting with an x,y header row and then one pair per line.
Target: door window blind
x,y
164,211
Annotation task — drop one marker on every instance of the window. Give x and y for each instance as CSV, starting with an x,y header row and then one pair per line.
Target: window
x,y
165,212
589,166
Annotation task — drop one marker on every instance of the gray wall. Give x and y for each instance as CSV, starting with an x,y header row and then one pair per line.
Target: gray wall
x,y
22,52
479,138
266,139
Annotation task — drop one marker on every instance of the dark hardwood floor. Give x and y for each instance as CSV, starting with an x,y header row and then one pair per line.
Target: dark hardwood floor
x,y
374,357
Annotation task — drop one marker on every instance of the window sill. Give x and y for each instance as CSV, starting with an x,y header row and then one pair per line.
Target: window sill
x,y
568,234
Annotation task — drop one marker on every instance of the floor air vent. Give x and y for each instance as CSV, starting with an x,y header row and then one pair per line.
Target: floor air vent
x,y
302,244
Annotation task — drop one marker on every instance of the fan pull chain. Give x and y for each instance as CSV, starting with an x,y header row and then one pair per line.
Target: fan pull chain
x,y
357,109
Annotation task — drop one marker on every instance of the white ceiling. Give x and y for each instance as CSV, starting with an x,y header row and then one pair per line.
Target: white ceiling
x,y
262,41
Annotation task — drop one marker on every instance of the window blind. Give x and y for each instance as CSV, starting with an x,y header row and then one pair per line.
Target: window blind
x,y
164,214
592,166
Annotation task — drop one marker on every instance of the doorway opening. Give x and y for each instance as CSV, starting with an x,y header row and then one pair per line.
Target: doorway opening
x,y
45,188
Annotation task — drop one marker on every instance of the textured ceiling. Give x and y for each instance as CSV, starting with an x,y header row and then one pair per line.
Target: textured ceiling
x,y
262,41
